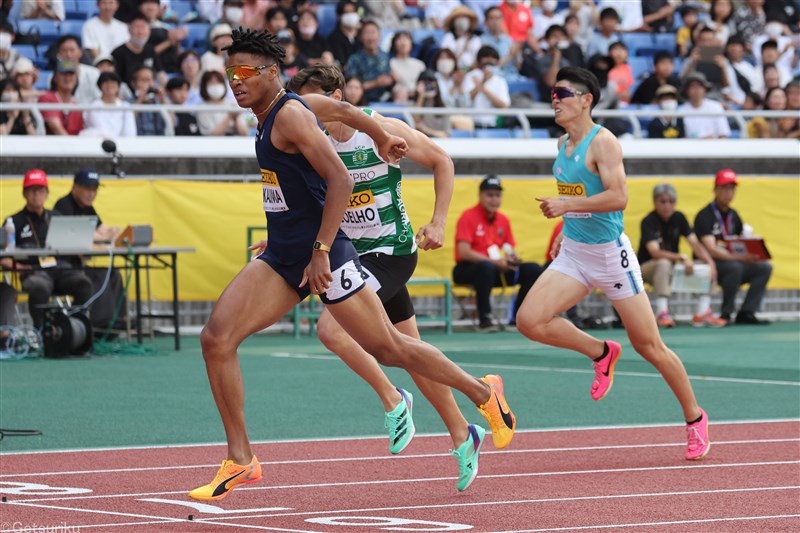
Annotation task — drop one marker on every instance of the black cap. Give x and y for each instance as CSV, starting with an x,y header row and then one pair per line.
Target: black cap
x,y
491,183
87,176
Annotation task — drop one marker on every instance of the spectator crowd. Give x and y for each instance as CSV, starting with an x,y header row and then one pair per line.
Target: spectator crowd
x,y
696,56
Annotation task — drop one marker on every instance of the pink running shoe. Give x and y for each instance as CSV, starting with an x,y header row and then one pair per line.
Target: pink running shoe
x,y
697,434
604,371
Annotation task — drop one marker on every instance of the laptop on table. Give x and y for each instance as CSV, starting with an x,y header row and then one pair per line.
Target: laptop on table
x,y
71,233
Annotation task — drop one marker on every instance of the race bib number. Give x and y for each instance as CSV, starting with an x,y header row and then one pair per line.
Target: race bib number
x,y
572,190
273,195
362,212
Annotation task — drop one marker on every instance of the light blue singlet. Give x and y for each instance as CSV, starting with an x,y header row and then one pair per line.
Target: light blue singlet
x,y
575,179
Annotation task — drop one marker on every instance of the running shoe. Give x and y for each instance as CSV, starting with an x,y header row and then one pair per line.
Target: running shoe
x,y
697,435
708,319
604,371
400,423
497,413
229,476
665,320
467,455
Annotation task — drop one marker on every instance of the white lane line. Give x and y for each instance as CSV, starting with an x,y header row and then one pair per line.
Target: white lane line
x,y
394,457
599,497
554,429
651,524
529,368
431,479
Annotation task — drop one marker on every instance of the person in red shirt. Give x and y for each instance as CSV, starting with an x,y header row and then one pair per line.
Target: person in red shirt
x,y
485,256
518,20
62,87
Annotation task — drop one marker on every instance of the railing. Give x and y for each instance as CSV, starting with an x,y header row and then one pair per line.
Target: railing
x,y
408,113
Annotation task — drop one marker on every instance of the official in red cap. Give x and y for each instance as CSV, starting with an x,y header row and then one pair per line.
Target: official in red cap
x,y
726,176
39,279
714,224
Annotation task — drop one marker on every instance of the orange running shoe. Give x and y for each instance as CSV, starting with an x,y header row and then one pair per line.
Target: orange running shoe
x,y
229,476
497,413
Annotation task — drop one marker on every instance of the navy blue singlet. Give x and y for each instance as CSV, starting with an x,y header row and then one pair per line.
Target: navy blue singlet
x,y
293,194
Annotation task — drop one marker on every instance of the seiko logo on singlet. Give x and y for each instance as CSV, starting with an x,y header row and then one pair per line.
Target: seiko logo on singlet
x,y
361,212
573,190
272,193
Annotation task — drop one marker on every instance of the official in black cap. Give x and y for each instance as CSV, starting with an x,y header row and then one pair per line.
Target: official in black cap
x,y
80,202
485,255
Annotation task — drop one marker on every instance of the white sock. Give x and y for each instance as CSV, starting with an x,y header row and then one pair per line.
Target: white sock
x,y
703,304
662,304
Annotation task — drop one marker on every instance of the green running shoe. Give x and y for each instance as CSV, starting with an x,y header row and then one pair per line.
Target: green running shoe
x,y
467,455
400,424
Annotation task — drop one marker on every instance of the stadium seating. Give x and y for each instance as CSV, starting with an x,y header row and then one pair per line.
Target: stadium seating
x,y
326,15
494,133
197,36
182,9
48,30
527,85
28,50
72,27
461,134
640,66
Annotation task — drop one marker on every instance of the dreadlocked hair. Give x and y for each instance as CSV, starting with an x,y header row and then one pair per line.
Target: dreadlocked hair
x,y
256,42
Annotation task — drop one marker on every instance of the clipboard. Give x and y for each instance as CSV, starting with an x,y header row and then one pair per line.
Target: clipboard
x,y
748,245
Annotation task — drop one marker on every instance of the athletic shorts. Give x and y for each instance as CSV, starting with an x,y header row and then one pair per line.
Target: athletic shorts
x,y
348,276
611,267
387,275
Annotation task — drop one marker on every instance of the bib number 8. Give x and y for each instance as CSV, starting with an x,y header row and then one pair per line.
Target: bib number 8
x,y
624,259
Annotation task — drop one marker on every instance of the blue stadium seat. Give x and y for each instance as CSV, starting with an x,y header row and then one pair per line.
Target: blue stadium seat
x,y
640,66
182,8
494,133
43,83
326,15
72,27
75,15
197,36
44,26
636,40
540,133
524,86
461,134
27,50
421,34
665,41
89,7
645,121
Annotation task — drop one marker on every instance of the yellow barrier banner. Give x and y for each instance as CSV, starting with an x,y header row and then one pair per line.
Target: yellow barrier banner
x,y
213,217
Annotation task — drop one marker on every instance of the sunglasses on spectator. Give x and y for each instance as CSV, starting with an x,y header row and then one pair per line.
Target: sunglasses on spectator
x,y
565,92
242,72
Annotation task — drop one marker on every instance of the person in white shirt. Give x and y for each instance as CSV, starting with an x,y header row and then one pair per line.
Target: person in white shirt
x,y
214,58
546,18
486,87
460,37
404,69
629,11
113,124
702,126
436,11
102,34
42,9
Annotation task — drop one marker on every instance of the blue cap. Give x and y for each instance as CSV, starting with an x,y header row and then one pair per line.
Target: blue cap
x,y
87,176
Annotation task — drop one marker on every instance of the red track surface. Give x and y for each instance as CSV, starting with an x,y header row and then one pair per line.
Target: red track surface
x,y
631,479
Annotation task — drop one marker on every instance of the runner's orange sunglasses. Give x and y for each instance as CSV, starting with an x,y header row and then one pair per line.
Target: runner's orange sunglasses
x,y
242,72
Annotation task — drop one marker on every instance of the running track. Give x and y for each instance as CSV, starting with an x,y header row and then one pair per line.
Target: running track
x,y
606,479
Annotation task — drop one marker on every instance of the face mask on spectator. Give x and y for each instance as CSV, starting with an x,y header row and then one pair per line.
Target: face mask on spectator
x,y
461,24
308,31
549,5
234,14
5,41
445,66
138,43
350,20
215,92
669,104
